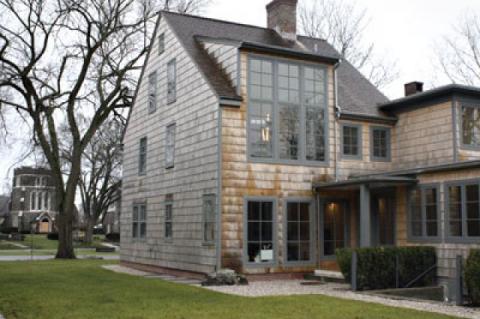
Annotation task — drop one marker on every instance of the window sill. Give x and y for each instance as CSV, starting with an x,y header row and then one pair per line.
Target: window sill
x,y
208,244
257,160
351,157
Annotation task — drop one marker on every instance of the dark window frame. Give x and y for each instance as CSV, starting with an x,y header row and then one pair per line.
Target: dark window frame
x,y
172,82
312,240
422,188
388,137
168,218
359,142
142,156
323,106
161,44
138,221
170,137
274,261
209,219
463,238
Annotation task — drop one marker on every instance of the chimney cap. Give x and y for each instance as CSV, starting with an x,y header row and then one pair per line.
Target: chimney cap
x,y
277,2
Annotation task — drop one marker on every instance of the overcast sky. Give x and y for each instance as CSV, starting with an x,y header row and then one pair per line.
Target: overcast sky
x,y
405,30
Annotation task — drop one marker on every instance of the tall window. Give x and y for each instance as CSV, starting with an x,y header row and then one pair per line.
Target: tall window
x,y
380,144
471,125
209,215
172,81
169,216
142,158
293,95
33,200
464,210
424,212
161,43
152,92
170,146
139,221
298,232
351,141
259,241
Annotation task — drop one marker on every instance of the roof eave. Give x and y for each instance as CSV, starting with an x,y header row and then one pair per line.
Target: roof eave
x,y
391,120
262,48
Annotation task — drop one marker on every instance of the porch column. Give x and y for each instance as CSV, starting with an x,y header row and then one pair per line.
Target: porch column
x,y
365,217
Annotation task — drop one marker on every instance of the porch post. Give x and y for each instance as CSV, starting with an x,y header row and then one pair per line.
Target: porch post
x,y
365,217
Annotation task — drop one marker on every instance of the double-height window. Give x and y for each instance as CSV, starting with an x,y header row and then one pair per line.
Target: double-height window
x,y
142,157
463,210
380,149
260,244
471,125
424,212
351,141
139,221
287,111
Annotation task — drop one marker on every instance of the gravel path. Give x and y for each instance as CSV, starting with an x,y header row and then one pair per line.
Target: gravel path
x,y
294,287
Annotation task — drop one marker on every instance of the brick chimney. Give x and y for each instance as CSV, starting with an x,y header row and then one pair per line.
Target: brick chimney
x,y
413,88
282,17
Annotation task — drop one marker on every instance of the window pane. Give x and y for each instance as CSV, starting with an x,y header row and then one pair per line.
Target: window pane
x,y
161,43
431,212
473,227
289,132
170,146
261,130
416,228
267,212
432,229
135,230
455,211
304,251
292,231
152,92
380,143
292,211
472,192
470,125
305,231
135,213
454,193
171,81
254,231
259,239
143,230
455,228
142,162
267,231
315,134
254,252
254,211
350,140
293,251
473,211
305,212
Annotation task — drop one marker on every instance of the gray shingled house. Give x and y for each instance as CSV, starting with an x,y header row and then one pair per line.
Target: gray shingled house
x,y
261,150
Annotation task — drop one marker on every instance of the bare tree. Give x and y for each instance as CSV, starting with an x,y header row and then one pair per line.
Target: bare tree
x,y
100,180
343,25
64,58
459,53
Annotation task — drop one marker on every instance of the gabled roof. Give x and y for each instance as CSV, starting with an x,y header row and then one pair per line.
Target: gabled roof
x,y
355,93
430,95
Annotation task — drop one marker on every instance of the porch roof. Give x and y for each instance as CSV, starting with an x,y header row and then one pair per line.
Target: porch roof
x,y
372,181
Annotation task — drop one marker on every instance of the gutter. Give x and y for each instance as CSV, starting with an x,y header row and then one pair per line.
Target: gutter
x,y
218,216
391,120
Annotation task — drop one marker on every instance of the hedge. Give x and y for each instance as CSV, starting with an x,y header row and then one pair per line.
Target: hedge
x,y
376,267
472,276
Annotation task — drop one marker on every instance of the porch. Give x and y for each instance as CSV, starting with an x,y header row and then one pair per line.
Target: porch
x,y
361,212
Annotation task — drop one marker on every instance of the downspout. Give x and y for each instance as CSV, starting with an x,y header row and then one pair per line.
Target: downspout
x,y
218,217
337,114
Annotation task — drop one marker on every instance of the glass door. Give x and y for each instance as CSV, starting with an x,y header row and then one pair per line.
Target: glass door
x,y
333,226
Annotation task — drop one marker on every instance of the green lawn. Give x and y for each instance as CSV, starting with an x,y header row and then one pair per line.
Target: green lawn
x,y
81,289
50,252
39,241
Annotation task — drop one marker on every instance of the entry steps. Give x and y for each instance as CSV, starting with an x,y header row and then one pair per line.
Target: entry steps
x,y
326,276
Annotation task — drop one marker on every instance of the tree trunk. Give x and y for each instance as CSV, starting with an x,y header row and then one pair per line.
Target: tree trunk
x,y
65,236
91,222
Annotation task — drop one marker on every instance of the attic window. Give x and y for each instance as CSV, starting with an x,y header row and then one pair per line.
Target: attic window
x,y
161,43
470,126
171,81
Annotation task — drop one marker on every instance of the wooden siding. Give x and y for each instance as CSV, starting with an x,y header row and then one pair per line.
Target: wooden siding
x,y
195,113
424,136
227,58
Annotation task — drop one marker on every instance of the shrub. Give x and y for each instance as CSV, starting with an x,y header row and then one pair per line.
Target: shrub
x,y
113,237
472,276
376,267
52,236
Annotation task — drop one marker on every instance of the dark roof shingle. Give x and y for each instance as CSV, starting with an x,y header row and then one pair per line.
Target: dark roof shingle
x,y
356,94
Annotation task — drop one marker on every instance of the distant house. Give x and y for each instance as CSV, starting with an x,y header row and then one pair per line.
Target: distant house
x,y
4,211
33,200
261,150
111,221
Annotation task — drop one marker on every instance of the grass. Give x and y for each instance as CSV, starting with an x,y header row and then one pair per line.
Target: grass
x,y
51,252
81,289
42,242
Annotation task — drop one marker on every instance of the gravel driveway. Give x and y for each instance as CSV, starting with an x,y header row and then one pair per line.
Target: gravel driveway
x,y
294,287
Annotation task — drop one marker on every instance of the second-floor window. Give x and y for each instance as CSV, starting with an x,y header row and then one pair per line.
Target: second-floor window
x,y
170,146
351,141
142,157
171,81
471,125
40,201
380,140
152,92
287,111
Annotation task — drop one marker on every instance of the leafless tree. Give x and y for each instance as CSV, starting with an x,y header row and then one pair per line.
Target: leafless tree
x,y
65,58
343,24
100,180
459,53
